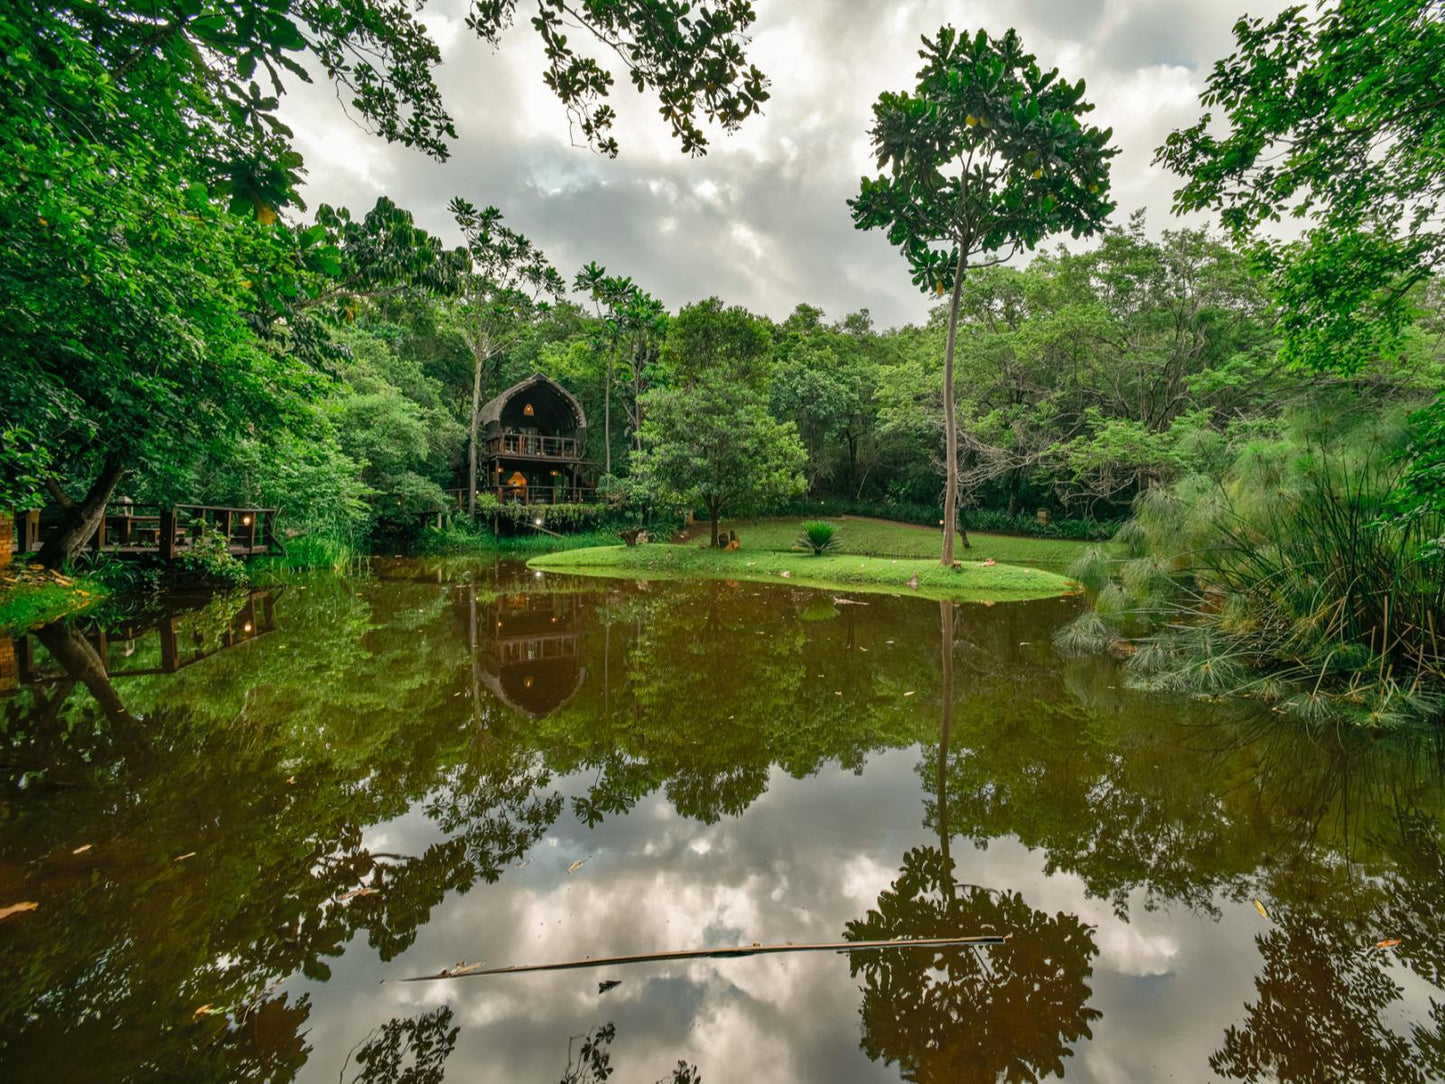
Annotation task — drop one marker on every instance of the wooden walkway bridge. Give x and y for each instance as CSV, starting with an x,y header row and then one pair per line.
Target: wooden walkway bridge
x,y
166,531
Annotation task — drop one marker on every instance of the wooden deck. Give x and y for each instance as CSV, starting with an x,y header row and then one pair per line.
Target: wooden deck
x,y
169,531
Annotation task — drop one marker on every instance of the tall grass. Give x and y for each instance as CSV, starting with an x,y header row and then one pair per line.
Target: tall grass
x,y
1284,577
458,536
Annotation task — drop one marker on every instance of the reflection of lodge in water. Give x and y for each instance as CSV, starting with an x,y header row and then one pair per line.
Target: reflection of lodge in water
x,y
530,650
183,642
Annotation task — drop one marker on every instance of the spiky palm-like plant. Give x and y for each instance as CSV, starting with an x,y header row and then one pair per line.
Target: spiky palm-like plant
x,y
818,537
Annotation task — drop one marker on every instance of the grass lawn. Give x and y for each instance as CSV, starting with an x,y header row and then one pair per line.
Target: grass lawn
x,y
837,572
32,602
883,538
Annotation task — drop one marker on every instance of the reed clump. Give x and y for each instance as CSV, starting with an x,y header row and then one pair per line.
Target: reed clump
x,y
1283,575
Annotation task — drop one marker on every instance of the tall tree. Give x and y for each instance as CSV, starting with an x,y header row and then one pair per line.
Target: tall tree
x,y
503,290
988,156
714,444
1336,120
709,337
151,288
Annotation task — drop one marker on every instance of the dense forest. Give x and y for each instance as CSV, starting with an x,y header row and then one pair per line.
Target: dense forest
x,y
1258,418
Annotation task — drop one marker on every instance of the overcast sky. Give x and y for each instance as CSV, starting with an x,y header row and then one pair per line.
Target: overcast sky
x,y
762,219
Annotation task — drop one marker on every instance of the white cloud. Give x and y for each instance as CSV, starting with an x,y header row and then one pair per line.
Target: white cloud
x,y
765,221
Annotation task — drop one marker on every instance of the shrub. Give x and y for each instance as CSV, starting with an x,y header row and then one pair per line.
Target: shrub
x,y
209,556
818,536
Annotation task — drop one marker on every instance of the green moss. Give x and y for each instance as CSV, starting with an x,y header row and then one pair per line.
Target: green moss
x,y
884,538
28,605
972,583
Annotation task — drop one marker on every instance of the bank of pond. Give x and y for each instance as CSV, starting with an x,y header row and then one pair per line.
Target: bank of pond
x,y
232,823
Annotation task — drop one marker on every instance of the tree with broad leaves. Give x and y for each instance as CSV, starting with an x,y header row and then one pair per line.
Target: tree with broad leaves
x,y
503,289
714,444
1335,120
987,157
610,297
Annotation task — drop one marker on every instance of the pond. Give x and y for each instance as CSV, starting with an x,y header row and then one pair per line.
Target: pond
x,y
243,820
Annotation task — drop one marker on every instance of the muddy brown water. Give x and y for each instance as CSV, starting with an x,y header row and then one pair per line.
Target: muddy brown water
x,y
241,821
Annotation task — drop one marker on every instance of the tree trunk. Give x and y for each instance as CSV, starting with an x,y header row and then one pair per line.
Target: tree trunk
x,y
945,615
83,664
950,422
607,417
712,515
82,520
475,430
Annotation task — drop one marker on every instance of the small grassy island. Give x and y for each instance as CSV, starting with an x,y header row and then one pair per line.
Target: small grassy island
x,y
972,581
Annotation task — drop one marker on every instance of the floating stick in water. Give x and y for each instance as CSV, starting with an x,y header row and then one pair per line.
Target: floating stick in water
x,y
713,953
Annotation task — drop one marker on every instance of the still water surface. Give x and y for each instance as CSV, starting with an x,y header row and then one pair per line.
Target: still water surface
x,y
523,769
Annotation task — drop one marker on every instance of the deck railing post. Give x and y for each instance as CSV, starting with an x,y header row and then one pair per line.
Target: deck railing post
x,y
166,536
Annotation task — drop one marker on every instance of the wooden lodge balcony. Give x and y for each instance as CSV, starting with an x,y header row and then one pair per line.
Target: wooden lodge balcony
x,y
563,493
534,447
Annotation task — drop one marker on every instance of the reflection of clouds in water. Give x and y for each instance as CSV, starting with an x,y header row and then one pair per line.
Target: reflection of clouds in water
x,y
805,858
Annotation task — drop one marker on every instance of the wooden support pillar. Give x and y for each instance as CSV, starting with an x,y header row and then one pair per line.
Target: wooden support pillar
x,y
27,526
166,536
253,516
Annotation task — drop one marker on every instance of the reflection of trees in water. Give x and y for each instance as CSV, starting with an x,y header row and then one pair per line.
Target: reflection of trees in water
x,y
1005,1012
592,1063
272,762
405,1050
1325,995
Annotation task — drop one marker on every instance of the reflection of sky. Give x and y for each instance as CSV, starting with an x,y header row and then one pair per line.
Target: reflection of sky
x,y
804,859
1040,748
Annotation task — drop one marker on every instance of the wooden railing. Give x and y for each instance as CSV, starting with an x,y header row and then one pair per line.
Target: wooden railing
x,y
563,493
534,447
179,645
168,531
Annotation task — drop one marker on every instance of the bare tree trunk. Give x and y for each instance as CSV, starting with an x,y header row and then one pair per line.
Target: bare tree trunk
x,y
950,422
83,519
607,417
712,512
477,382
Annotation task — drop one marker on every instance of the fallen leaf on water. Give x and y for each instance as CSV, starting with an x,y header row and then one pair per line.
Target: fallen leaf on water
x,y
18,908
1260,908
204,1010
81,849
1390,943
575,866
861,648
908,693
183,857
363,891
